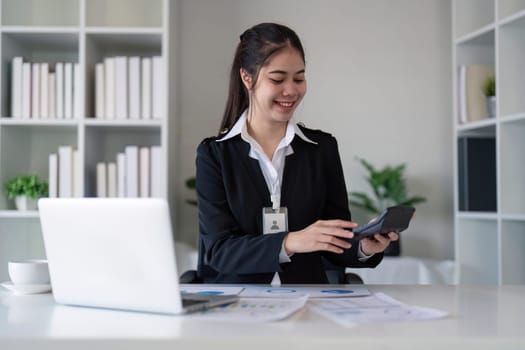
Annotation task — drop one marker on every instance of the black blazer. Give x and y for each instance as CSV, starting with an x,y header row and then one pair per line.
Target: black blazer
x,y
232,192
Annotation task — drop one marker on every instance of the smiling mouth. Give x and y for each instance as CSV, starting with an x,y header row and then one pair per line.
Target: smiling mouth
x,y
286,105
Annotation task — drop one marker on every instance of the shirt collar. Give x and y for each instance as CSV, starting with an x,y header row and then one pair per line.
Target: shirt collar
x,y
240,128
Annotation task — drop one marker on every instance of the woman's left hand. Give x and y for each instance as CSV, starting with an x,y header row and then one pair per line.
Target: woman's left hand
x,y
377,243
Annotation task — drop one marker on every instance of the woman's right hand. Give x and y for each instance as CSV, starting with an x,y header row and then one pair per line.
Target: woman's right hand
x,y
321,235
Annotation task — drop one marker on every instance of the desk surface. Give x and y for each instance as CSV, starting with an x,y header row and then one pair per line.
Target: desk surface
x,y
487,317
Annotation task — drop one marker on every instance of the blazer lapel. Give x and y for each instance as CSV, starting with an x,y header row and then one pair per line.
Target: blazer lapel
x,y
294,171
253,170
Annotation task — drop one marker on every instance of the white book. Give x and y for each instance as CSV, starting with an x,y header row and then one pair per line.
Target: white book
x,y
112,180
132,171
35,90
158,88
16,87
53,176
109,70
144,177
101,180
59,94
68,90
146,88
157,172
65,171
462,96
77,175
99,91
44,90
134,87
51,95
26,90
121,87
121,175
77,92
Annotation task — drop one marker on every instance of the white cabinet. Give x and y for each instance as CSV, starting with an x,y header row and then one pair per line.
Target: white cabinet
x,y
83,32
490,243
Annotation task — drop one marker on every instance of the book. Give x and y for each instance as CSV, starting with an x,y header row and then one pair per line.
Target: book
x,y
121,175
99,91
112,179
121,87
65,171
157,172
462,98
77,92
109,89
132,171
26,90
157,88
101,180
144,168
476,103
51,95
477,174
146,88
35,90
134,87
77,175
68,90
44,90
59,95
53,176
16,86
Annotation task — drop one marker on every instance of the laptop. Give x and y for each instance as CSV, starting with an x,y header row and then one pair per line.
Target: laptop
x,y
116,253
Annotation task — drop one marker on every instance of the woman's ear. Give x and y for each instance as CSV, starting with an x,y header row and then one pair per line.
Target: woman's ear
x,y
246,78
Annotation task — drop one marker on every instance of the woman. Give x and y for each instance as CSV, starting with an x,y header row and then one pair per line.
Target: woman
x,y
272,198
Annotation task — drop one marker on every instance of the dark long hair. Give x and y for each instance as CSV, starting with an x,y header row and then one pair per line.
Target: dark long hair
x,y
256,46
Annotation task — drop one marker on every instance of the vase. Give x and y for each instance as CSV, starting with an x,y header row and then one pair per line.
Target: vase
x,y
491,106
24,203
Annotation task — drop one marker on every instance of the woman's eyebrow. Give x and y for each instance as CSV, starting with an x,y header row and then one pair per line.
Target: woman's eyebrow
x,y
285,72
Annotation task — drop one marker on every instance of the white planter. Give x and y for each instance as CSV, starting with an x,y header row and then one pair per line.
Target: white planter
x,y
24,203
491,106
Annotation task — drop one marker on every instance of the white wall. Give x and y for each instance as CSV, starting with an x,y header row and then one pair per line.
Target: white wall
x,y
379,78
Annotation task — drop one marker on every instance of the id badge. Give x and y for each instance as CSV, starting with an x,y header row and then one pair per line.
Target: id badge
x,y
275,220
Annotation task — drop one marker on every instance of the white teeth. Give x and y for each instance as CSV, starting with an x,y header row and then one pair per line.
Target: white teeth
x,y
285,104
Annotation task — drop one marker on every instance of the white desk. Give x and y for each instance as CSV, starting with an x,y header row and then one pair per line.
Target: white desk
x,y
480,318
409,270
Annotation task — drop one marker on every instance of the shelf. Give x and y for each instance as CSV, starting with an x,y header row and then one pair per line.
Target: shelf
x,y
471,15
513,217
480,127
124,13
509,10
41,12
39,30
512,243
38,122
128,123
513,118
482,36
123,30
471,215
512,164
511,69
479,265
15,214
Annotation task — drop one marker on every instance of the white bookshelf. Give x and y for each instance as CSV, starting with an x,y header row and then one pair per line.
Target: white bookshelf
x,y
489,245
84,32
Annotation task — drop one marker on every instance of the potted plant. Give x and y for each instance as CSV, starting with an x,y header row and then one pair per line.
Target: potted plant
x,y
489,90
25,190
389,188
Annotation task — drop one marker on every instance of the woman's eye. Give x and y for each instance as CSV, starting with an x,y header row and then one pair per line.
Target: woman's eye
x,y
277,81
298,80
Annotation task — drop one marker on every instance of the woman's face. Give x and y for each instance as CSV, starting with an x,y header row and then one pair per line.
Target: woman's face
x,y
280,86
